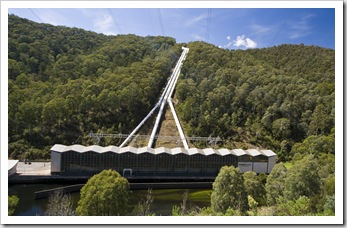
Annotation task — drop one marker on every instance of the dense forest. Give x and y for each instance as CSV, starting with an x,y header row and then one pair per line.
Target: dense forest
x,y
273,97
65,82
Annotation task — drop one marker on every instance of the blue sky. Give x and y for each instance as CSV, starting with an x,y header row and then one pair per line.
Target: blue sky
x,y
232,28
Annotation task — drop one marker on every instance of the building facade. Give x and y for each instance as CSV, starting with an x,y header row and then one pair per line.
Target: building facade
x,y
160,162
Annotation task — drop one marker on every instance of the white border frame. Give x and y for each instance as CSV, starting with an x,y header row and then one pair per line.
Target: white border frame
x,y
337,219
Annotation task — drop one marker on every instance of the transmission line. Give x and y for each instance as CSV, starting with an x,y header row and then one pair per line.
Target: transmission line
x,y
208,24
161,22
114,20
35,15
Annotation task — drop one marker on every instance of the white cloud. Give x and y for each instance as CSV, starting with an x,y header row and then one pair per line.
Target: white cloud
x,y
101,21
258,29
301,27
245,42
195,20
250,43
104,24
52,17
197,37
240,42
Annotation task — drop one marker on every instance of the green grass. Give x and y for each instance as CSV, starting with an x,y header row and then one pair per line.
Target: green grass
x,y
201,196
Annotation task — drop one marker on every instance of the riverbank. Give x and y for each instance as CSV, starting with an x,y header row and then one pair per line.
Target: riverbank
x,y
164,199
133,186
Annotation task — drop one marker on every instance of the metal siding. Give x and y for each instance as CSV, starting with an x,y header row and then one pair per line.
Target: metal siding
x,y
55,162
271,163
260,167
245,166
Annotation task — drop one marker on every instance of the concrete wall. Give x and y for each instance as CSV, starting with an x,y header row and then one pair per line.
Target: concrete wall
x,y
55,162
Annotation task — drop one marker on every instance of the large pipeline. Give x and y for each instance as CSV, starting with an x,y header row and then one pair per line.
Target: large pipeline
x,y
171,79
174,76
165,96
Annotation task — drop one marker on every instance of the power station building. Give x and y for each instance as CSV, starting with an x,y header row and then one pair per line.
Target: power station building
x,y
159,162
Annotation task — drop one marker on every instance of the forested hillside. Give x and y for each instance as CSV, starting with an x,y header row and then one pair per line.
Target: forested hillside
x,y
274,97
66,82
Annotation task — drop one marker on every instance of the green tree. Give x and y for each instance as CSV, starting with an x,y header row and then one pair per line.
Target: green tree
x,y
229,191
320,122
144,206
254,187
275,183
298,207
281,128
106,194
315,145
13,69
12,203
329,206
252,203
59,204
303,179
186,208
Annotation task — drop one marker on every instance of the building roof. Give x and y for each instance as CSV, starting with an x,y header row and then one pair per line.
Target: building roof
x,y
253,152
238,152
268,153
223,152
207,151
12,164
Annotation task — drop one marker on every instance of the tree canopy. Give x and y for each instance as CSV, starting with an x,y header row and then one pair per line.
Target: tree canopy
x,y
269,98
66,82
275,183
303,179
254,187
229,191
12,204
105,194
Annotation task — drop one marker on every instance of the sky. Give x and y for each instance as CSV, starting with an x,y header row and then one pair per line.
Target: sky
x,y
230,28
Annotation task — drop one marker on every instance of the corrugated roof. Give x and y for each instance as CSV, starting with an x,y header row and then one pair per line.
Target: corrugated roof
x,y
58,148
267,153
12,163
238,152
223,152
178,150
145,150
192,151
161,150
207,151
253,152
128,149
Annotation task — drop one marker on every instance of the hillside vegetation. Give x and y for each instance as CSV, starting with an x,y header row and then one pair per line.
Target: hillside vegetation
x,y
66,82
273,97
